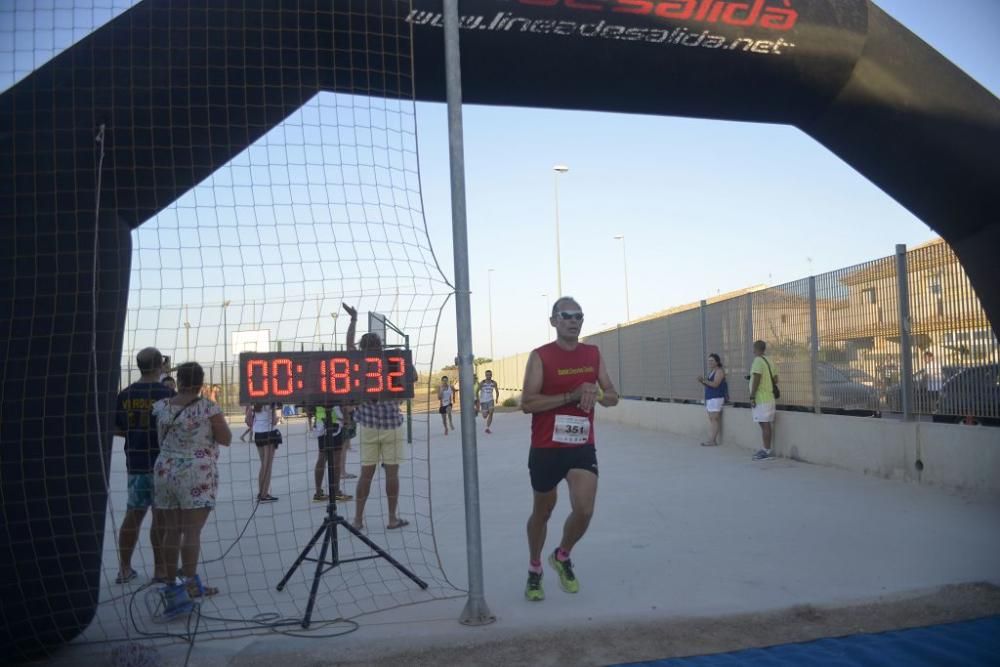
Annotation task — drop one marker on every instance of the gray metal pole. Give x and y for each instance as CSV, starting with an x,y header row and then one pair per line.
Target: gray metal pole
x,y
225,355
814,345
621,384
704,337
666,345
476,611
489,281
409,402
559,292
905,345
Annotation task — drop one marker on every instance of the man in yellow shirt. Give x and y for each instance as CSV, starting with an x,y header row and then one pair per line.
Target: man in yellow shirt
x,y
763,380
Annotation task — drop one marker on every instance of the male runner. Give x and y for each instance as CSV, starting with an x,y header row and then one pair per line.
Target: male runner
x,y
489,394
446,398
562,382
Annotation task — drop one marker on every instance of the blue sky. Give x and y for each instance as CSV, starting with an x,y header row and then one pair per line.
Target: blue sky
x,y
705,206
695,199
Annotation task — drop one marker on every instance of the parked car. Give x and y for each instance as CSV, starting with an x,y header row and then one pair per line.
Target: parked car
x,y
838,391
923,400
972,393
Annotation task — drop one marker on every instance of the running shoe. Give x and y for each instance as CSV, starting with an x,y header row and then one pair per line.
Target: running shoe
x,y
342,497
320,496
763,455
533,591
567,580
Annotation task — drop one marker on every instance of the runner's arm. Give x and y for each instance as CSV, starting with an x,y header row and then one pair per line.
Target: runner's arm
x,y
610,397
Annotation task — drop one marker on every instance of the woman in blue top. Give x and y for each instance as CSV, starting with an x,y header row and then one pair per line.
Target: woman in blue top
x,y
716,391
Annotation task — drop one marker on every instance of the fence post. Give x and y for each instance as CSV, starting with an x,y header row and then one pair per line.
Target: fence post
x,y
704,337
748,350
669,393
409,401
906,348
814,345
621,386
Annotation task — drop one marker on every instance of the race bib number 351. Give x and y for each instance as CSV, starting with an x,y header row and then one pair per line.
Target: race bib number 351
x,y
570,430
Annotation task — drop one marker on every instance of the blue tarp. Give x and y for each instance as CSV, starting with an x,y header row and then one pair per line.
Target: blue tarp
x,y
968,644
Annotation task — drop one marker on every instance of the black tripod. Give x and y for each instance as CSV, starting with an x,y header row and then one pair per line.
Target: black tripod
x,y
328,532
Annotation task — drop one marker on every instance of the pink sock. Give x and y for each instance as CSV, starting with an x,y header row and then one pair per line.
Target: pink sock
x,y
535,566
562,555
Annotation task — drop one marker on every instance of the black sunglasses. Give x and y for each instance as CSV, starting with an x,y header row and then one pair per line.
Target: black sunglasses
x,y
571,315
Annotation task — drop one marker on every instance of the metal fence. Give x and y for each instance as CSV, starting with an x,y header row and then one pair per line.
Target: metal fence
x,y
856,340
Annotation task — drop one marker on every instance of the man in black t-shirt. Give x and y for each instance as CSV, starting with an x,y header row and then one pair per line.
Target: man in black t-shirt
x,y
134,422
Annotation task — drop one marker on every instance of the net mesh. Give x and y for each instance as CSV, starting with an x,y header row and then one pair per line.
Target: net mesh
x,y
324,208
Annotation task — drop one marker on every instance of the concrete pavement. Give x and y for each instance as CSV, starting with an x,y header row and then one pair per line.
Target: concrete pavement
x,y
684,537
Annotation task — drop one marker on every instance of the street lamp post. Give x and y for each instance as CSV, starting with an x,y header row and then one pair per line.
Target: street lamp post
x,y
628,314
489,301
225,356
319,314
334,316
558,169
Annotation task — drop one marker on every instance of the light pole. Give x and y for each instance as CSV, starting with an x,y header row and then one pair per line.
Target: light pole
x,y
225,355
187,333
319,314
334,316
558,169
489,301
628,314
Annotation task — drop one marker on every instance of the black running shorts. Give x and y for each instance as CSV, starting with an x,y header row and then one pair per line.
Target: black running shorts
x,y
549,466
327,441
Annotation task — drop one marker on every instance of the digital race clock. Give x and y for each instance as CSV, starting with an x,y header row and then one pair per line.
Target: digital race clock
x,y
325,378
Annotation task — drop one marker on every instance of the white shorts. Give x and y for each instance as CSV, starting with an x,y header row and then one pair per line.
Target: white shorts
x,y
714,404
764,412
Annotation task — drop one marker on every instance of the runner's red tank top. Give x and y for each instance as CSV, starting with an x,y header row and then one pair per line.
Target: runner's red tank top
x,y
563,371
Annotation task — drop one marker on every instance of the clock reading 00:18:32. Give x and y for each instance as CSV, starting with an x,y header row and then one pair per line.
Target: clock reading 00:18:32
x,y
325,377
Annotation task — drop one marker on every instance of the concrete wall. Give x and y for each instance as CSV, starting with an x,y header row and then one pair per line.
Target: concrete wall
x,y
948,455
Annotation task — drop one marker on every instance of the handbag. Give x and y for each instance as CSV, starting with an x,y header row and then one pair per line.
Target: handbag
x,y
774,385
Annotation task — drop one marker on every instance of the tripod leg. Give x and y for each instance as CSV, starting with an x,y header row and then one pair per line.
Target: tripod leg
x,y
328,528
302,556
383,554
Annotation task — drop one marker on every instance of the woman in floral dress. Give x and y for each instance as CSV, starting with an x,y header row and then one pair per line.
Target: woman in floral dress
x,y
185,475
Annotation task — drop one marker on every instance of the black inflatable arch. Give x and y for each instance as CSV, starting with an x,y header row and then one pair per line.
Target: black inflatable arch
x,y
182,88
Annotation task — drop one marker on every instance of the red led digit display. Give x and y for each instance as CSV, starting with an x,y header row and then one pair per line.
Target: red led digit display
x,y
325,378
397,374
375,381
256,383
282,382
340,380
